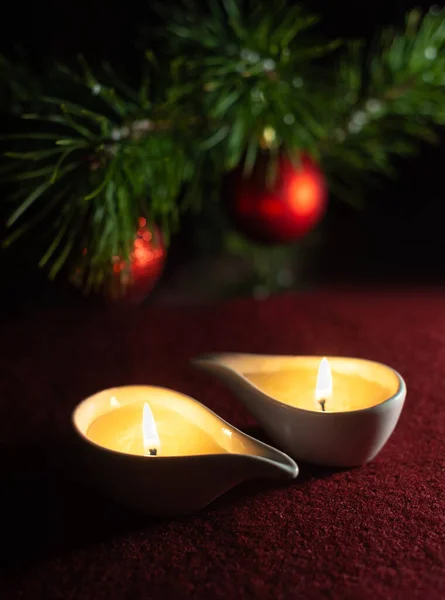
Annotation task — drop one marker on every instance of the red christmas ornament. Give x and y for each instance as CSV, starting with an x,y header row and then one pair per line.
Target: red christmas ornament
x,y
284,212
133,280
129,281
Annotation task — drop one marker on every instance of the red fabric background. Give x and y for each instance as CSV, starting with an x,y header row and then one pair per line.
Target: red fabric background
x,y
377,532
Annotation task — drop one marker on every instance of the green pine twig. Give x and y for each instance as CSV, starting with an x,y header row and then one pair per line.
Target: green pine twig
x,y
236,78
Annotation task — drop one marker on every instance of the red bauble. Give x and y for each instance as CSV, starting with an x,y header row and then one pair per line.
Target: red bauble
x,y
134,279
128,281
284,212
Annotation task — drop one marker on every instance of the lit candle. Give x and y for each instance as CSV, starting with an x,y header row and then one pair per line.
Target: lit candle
x,y
161,452
150,430
336,411
334,385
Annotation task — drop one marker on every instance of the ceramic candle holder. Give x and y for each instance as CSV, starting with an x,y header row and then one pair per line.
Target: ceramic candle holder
x,y
367,399
207,456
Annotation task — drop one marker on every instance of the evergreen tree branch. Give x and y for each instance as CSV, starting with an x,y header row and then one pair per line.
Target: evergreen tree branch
x,y
236,78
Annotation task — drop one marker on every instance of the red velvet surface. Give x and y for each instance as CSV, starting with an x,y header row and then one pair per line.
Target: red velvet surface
x,y
376,532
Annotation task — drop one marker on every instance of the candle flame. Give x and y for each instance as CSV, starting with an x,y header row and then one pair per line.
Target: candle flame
x,y
323,389
150,435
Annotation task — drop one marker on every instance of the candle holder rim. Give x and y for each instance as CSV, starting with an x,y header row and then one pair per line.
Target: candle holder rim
x,y
401,389
288,462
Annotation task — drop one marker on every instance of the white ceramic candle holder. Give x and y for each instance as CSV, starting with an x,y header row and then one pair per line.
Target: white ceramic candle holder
x,y
280,392
173,484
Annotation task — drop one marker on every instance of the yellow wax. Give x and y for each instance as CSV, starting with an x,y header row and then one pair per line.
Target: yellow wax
x,y
121,430
296,387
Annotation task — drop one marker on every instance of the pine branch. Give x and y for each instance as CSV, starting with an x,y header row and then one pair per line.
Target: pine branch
x,y
400,106
252,67
235,78
101,175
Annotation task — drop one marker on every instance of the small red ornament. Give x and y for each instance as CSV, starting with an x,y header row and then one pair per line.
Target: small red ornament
x,y
132,280
284,212
129,281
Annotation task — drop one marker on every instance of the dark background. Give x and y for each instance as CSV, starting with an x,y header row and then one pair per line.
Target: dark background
x,y
398,238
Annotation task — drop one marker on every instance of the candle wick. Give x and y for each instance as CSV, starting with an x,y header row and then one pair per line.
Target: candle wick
x,y
322,403
153,452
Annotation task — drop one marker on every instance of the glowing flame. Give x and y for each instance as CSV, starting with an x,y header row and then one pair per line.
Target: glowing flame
x,y
150,435
323,389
